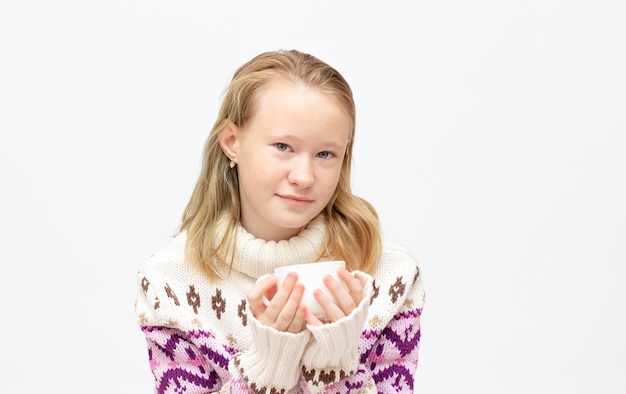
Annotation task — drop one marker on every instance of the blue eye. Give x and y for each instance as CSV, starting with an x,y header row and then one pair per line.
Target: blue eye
x,y
325,155
282,147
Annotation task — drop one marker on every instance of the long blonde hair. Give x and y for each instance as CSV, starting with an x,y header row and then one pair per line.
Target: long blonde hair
x,y
353,232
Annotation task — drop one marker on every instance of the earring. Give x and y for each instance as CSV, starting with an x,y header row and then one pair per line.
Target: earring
x,y
232,164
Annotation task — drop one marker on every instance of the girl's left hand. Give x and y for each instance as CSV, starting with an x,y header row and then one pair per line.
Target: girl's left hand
x,y
348,295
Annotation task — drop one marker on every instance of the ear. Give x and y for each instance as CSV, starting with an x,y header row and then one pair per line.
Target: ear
x,y
228,138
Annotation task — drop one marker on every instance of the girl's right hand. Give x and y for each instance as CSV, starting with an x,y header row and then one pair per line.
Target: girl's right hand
x,y
283,312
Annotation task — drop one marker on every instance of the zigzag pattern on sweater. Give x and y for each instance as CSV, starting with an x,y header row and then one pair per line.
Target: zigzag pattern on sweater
x,y
206,358
380,351
171,354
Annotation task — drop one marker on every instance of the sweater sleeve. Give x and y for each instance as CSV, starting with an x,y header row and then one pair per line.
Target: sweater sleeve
x,y
271,362
181,360
384,357
389,350
196,362
190,362
333,352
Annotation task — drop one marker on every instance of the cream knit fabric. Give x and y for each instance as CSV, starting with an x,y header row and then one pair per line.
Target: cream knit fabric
x,y
203,338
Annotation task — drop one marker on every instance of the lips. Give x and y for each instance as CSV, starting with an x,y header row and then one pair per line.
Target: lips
x,y
295,199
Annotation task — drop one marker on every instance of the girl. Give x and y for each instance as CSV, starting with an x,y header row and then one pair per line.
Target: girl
x,y
274,190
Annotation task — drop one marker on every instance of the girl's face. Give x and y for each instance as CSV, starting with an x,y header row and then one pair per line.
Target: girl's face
x,y
289,157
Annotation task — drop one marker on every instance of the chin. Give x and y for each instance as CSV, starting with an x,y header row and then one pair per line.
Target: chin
x,y
297,224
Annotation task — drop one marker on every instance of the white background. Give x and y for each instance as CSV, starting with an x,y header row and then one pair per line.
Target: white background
x,y
490,136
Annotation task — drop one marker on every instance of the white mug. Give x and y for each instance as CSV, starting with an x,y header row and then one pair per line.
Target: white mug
x,y
311,276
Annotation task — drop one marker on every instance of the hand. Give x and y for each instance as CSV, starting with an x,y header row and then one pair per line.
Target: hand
x,y
283,312
348,296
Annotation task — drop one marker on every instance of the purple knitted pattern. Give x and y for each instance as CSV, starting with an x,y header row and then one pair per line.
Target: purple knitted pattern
x,y
186,362
388,356
196,362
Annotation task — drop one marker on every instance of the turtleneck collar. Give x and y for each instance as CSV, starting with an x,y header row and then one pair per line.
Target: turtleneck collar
x,y
256,257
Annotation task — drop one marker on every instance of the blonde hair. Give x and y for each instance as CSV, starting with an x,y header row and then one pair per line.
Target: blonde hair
x,y
353,232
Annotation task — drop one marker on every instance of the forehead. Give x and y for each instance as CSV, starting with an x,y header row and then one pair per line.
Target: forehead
x,y
289,89
293,111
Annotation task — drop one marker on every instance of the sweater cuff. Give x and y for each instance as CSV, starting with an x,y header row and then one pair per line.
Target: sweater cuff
x,y
272,360
336,345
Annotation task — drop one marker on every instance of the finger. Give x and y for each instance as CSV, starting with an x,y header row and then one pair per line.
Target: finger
x,y
271,292
256,293
288,314
353,284
340,293
298,323
333,311
280,297
312,319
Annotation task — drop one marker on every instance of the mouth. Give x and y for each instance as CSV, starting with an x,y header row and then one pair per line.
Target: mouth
x,y
295,200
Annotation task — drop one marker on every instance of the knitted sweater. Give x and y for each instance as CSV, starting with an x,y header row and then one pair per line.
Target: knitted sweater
x,y
203,338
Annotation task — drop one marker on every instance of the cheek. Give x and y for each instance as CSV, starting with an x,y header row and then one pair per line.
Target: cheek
x,y
255,174
328,182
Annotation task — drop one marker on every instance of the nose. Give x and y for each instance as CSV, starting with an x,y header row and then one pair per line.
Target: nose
x,y
302,173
